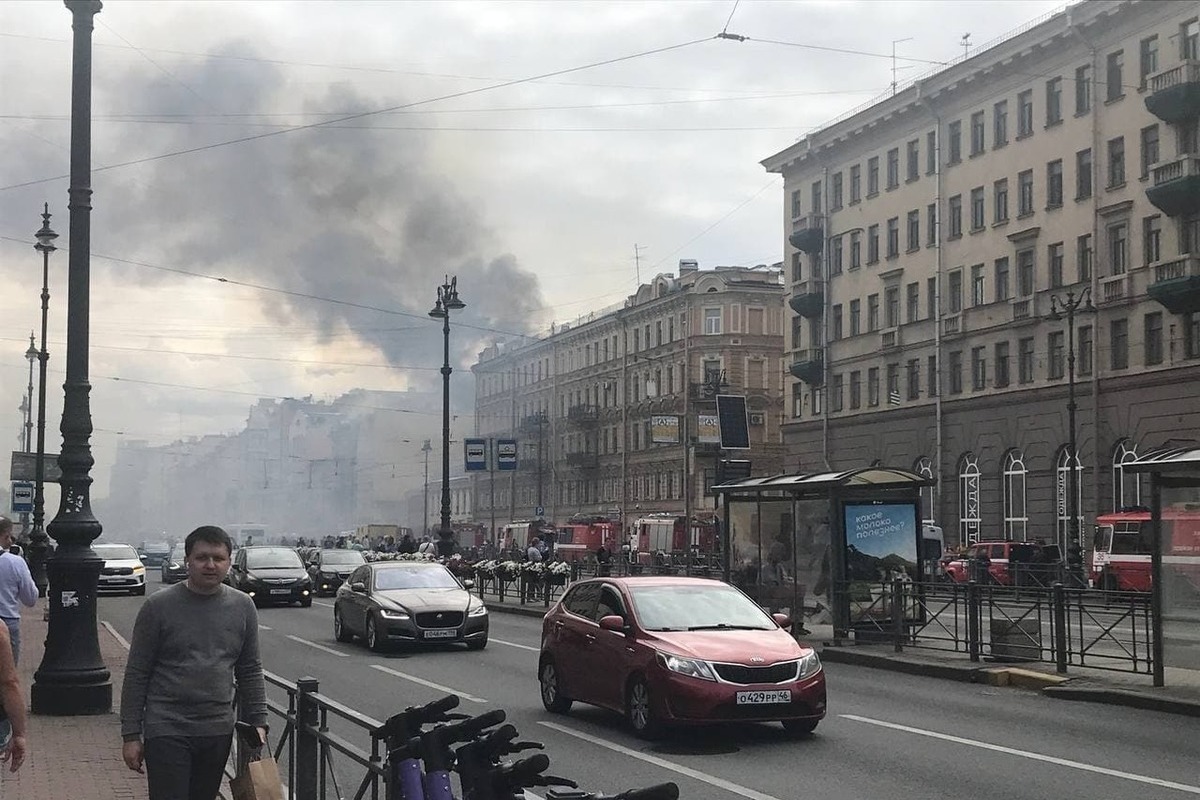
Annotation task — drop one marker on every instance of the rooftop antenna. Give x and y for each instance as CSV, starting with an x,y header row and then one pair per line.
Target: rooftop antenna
x,y
965,41
637,262
895,68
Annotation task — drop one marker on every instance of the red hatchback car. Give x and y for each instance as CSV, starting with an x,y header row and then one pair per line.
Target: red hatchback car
x,y
669,650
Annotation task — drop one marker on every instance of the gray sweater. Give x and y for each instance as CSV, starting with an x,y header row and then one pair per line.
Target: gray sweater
x,y
187,649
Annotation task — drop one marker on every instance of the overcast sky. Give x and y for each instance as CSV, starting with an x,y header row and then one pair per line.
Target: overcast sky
x,y
535,194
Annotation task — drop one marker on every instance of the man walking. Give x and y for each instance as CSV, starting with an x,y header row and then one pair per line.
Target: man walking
x,y
190,642
16,587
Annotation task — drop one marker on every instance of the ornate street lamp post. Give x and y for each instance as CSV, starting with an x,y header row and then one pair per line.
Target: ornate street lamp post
x,y
425,448
72,679
1067,306
39,543
447,301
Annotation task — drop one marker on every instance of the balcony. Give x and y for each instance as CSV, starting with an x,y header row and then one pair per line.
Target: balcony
x,y
809,367
807,299
1177,284
583,460
890,339
810,236
583,415
1116,288
532,422
1176,189
1175,93
952,325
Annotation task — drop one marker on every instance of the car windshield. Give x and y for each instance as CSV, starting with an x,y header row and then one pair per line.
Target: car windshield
x,y
342,557
157,547
713,606
178,552
116,552
273,558
414,578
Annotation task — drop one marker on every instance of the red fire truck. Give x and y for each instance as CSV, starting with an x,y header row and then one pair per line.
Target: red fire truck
x,y
668,534
1124,541
575,540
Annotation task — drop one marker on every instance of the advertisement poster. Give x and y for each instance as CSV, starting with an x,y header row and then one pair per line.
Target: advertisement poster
x,y
664,429
708,429
881,542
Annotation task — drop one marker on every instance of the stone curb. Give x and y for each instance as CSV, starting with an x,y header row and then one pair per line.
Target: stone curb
x,y
952,672
1125,697
522,611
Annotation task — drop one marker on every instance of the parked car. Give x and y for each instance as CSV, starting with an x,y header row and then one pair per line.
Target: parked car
x,y
994,562
271,575
412,602
153,554
174,569
330,568
667,650
123,570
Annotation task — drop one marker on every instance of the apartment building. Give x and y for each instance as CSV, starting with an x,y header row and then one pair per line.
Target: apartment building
x,y
581,401
940,239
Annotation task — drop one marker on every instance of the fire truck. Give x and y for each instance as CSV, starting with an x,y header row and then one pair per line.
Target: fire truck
x,y
1124,542
575,540
668,534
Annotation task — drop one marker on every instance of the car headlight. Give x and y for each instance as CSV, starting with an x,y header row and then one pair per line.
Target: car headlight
x,y
809,665
138,569
687,666
479,610
391,613
174,565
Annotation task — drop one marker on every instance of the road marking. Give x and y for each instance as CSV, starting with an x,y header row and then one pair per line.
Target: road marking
x,y
319,603
514,644
1062,762
704,777
329,650
262,627
430,684
113,631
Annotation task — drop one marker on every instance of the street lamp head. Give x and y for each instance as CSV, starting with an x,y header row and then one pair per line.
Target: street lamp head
x,y
32,352
1054,313
451,302
45,236
439,307
1086,294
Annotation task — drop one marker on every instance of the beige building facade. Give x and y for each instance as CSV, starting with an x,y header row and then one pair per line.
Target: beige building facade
x,y
933,236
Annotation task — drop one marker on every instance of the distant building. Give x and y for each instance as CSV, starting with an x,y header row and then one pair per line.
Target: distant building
x,y
933,234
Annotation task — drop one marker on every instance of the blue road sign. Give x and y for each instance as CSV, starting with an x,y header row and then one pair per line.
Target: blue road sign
x,y
22,497
475,451
540,511
506,454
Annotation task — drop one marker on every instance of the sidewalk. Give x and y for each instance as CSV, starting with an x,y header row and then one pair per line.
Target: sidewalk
x,y
71,757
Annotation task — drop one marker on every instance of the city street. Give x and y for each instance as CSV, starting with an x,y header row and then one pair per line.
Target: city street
x,y
888,735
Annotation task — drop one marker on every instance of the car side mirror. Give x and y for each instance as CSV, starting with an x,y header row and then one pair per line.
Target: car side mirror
x,y
782,620
358,586
468,584
613,622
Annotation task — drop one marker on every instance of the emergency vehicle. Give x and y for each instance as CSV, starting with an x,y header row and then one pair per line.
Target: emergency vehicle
x,y
1124,541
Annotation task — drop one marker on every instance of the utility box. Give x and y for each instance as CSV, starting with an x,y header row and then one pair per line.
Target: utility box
x,y
1016,640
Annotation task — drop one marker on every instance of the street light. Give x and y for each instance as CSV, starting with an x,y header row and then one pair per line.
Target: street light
x,y
39,543
72,679
425,448
1067,306
27,404
447,301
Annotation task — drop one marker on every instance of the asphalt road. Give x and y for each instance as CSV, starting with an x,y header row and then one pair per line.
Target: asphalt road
x,y
887,735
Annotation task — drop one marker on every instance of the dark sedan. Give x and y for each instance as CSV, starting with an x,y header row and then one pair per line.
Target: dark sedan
x,y
411,602
330,568
174,569
271,575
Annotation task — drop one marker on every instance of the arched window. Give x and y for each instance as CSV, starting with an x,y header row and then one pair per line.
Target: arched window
x,y
924,467
1126,488
1062,491
1016,520
969,522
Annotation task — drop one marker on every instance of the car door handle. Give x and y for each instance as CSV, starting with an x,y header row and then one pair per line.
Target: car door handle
x,y
558,623
591,637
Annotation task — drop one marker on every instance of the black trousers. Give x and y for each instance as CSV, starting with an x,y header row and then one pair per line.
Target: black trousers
x,y
186,767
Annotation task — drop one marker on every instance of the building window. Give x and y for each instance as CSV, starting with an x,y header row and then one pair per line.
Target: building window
x,y
1189,40
913,302
969,518
931,375
977,133
1015,517
955,292
977,286
1054,264
977,209
1191,335
1001,270
1025,114
873,244
855,317
913,160
1114,69
891,306
1025,273
797,399
855,250
797,332
1153,338
836,333
914,230
835,256
978,369
954,142
1116,162
1025,193
873,313
835,393
913,368
924,468
1000,201
1083,258
1126,487
1118,346
1054,184
712,321
1152,239
835,192
855,184
1083,174
954,213
1147,58
1000,124
1084,351
1025,360
873,386
931,155
872,176
893,237
1083,89
855,389
931,225
893,384
796,204
1001,359
1056,352
1068,533
931,296
954,368
893,168
816,197
1053,101
816,401
1149,149
1118,248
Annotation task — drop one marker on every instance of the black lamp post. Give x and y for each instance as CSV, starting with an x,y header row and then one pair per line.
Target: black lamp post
x,y
31,356
1068,306
39,543
425,448
447,301
72,679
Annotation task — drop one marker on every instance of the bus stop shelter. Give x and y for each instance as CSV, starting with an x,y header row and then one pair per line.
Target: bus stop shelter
x,y
801,541
1174,557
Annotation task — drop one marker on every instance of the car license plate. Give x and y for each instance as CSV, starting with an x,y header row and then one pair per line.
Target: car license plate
x,y
281,591
447,633
764,698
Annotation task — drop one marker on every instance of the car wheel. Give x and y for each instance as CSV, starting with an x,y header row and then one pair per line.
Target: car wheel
x,y
340,632
552,697
639,710
373,639
800,727
477,644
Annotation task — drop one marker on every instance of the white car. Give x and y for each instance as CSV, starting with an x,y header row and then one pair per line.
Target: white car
x,y
123,570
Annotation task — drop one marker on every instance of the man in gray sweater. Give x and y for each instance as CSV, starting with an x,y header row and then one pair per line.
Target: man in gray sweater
x,y
190,642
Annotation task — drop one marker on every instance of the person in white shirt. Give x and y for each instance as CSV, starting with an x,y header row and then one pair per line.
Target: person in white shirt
x,y
16,587
534,553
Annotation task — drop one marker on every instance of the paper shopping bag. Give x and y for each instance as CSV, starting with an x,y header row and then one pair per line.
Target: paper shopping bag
x,y
260,781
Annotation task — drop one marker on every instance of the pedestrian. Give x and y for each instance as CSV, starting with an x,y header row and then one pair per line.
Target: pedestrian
x,y
12,699
191,642
603,561
427,547
16,587
534,553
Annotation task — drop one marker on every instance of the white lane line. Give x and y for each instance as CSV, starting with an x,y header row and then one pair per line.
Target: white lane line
x,y
329,650
704,777
262,627
1062,762
430,684
319,603
114,633
514,644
